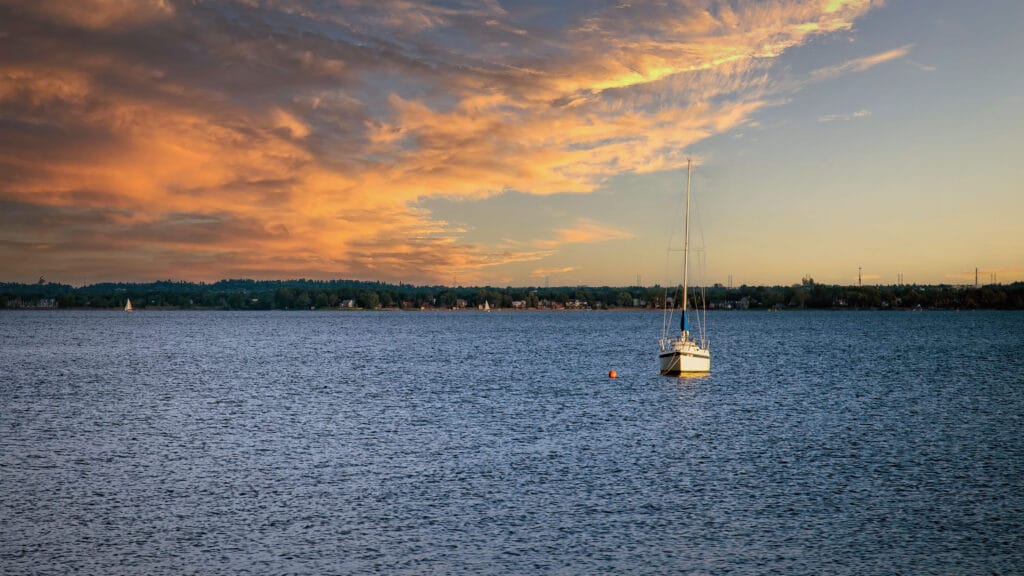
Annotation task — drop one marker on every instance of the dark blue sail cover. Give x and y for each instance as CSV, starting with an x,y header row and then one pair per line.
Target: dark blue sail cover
x,y
684,325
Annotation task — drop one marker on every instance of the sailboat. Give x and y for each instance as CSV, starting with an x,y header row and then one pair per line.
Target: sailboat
x,y
487,306
684,354
128,306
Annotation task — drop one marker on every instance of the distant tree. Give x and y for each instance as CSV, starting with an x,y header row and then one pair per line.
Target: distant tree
x,y
284,298
447,298
532,300
322,300
369,300
297,294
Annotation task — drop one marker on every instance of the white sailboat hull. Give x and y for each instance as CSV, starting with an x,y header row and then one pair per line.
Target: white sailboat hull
x,y
683,357
675,363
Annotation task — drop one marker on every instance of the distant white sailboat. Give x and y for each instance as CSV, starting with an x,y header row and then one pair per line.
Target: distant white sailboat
x,y
684,354
487,306
128,306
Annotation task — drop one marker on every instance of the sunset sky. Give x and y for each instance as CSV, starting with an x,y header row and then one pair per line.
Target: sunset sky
x,y
511,143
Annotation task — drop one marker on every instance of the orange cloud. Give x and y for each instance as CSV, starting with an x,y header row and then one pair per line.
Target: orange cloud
x,y
98,14
585,231
161,139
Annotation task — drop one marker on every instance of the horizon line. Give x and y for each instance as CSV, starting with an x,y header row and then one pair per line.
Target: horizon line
x,y
716,285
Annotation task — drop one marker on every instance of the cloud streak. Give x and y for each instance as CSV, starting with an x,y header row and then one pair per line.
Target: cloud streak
x,y
585,231
160,138
851,116
861,64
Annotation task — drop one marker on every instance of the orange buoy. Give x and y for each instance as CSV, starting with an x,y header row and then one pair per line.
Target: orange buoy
x,y
613,374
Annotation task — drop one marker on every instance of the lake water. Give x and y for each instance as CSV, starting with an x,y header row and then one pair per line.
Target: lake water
x,y
473,443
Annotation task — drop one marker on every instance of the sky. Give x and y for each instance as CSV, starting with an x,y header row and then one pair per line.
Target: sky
x,y
512,143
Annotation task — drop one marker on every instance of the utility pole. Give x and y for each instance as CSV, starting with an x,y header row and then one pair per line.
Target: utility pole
x,y
975,277
859,283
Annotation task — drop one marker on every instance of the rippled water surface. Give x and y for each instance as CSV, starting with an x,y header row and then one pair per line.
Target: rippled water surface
x,y
472,443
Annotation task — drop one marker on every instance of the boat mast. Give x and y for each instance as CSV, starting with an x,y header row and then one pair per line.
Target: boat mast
x,y
686,246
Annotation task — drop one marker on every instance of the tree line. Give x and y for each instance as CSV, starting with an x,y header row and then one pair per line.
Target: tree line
x,y
303,294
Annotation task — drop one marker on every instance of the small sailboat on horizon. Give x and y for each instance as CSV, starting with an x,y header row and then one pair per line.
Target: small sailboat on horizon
x,y
684,354
128,305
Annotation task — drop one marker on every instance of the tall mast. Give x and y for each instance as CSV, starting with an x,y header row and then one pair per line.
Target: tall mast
x,y
686,245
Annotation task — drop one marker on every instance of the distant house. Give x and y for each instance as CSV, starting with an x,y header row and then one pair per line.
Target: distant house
x,y
347,304
519,304
41,303
460,303
741,304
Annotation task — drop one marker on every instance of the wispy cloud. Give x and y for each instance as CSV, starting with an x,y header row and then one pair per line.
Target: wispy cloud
x,y
584,231
554,271
861,64
922,67
851,116
294,138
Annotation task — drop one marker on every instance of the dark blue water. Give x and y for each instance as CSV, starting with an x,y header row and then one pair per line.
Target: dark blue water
x,y
472,443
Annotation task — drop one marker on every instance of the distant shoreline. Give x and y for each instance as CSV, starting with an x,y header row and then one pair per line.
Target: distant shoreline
x,y
495,310
348,295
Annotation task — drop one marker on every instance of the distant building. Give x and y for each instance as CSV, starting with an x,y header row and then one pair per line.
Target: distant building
x,y
742,303
347,304
41,303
